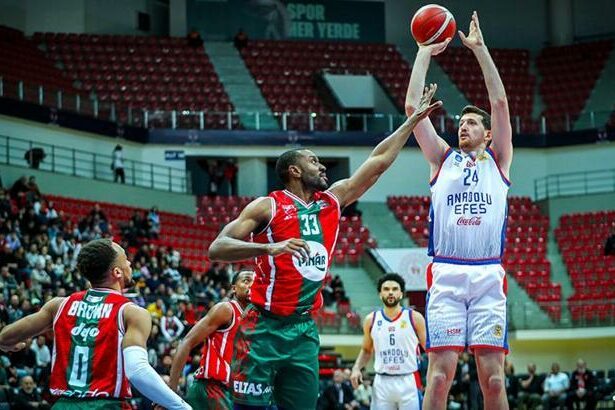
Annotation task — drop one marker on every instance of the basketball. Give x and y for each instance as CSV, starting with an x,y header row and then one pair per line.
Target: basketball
x,y
432,24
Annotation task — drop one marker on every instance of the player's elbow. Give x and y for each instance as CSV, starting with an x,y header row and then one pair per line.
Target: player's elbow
x,y
214,251
410,108
499,103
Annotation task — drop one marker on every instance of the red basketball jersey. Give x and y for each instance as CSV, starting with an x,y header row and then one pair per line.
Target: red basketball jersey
x,y
285,285
218,350
87,357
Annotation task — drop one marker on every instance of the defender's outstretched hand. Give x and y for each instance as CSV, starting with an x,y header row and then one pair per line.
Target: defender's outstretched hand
x,y
475,36
425,108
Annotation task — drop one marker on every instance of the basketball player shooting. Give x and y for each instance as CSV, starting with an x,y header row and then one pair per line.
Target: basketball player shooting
x,y
466,300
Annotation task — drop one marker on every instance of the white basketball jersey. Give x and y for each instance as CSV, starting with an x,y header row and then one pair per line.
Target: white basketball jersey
x,y
467,220
396,344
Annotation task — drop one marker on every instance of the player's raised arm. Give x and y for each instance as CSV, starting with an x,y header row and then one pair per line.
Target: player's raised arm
x,y
367,349
350,189
231,244
432,146
501,131
138,324
12,336
219,315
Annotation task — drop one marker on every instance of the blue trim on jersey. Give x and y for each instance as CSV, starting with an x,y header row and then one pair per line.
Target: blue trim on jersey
x,y
497,164
427,343
503,235
448,152
430,247
391,320
459,261
420,398
506,327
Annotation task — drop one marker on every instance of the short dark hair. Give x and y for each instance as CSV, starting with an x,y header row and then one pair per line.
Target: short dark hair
x,y
95,260
236,276
286,160
485,117
395,278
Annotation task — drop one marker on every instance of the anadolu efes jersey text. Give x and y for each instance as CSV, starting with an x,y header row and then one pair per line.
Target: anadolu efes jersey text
x,y
467,219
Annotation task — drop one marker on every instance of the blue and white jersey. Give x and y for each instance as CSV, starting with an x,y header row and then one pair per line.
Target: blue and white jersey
x,y
396,345
467,219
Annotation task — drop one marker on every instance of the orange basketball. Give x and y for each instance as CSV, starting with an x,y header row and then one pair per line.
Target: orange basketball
x,y
432,24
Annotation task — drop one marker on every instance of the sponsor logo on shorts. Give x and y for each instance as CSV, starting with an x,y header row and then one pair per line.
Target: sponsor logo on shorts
x,y
79,394
252,389
497,331
453,331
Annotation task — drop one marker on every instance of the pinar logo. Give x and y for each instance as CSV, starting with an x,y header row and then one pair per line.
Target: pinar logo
x,y
473,221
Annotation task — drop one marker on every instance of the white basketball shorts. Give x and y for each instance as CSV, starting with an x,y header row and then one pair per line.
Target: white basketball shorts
x,y
395,392
466,307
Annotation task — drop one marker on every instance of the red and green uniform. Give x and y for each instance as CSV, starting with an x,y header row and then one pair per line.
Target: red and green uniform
x,y
276,348
87,359
210,389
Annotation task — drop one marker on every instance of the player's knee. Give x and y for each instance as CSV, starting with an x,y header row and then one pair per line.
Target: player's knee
x,y
439,381
495,384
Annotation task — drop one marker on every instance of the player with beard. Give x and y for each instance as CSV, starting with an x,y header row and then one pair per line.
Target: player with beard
x,y
292,235
99,338
466,299
210,389
393,334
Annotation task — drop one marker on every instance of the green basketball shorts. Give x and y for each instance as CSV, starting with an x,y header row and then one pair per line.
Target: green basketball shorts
x,y
276,361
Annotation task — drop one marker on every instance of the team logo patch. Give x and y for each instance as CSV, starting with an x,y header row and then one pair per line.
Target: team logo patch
x,y
404,324
379,323
315,267
497,331
458,158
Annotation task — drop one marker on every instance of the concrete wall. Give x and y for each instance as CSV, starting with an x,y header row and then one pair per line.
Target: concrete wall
x,y
407,176
84,16
85,188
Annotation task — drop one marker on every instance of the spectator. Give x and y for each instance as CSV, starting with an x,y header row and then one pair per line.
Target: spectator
x,y
34,193
512,384
43,357
34,157
24,360
230,175
240,40
117,164
194,38
530,389
555,387
19,190
154,222
609,246
363,394
28,397
14,309
338,395
582,388
157,308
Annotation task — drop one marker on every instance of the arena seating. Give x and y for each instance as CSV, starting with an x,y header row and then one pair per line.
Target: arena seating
x,y
569,75
139,72
513,65
285,71
525,255
177,231
21,60
581,238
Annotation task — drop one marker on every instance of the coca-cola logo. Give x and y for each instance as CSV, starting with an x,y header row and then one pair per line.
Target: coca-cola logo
x,y
475,220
